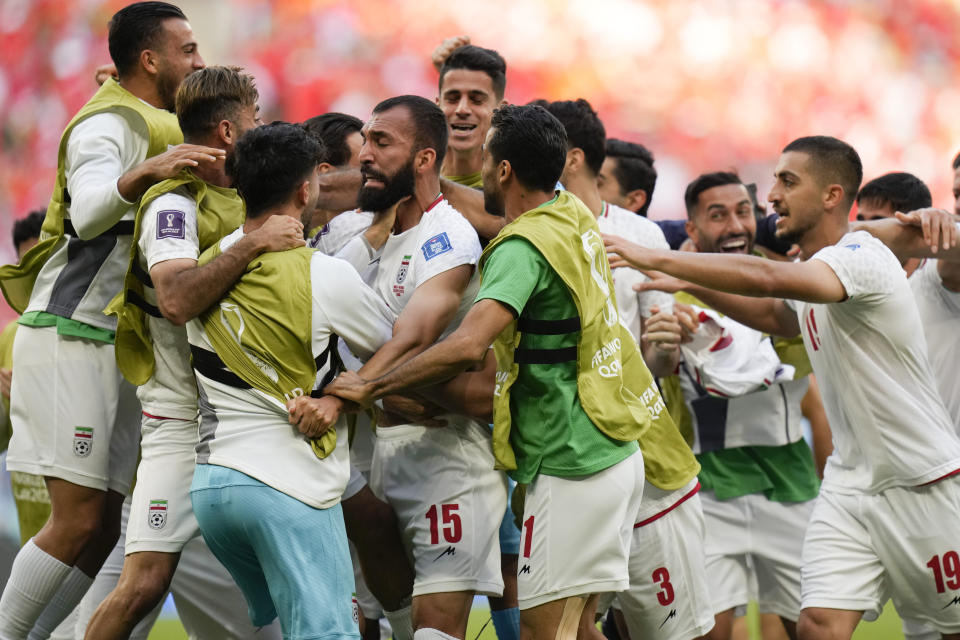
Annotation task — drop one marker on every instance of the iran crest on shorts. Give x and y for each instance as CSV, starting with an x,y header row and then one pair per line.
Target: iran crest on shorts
x,y
157,514
82,441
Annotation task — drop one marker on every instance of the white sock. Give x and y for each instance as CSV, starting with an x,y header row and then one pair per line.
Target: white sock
x,y
34,580
426,633
401,623
65,600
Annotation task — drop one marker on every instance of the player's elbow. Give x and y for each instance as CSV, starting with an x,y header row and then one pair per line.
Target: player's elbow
x,y
174,312
471,349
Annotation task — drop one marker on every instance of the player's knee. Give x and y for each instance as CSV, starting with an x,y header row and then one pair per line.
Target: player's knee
x,y
142,590
814,625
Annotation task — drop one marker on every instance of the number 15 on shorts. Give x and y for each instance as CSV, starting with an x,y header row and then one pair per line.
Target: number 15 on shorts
x,y
445,520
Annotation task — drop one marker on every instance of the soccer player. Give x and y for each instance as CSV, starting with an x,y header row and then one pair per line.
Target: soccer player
x,y
667,596
80,432
339,134
885,521
426,275
267,495
627,177
882,197
177,219
757,471
472,84
566,421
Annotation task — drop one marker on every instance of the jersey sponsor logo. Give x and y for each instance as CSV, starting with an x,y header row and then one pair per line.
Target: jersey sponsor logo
x,y
435,246
524,569
170,224
449,551
402,271
82,441
157,514
956,600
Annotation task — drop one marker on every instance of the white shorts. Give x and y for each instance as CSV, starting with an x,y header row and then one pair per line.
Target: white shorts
x,y
576,533
754,545
902,543
74,416
668,597
161,514
449,501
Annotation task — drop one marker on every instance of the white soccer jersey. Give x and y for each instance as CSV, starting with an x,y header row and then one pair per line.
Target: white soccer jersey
x,y
889,425
441,241
81,278
168,231
939,310
626,224
247,430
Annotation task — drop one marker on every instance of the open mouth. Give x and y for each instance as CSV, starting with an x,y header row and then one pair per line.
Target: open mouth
x,y
463,128
734,245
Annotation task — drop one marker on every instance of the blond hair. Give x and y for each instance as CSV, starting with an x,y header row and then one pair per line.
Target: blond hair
x,y
213,94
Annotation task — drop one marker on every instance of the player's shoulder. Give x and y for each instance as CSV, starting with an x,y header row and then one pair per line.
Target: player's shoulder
x,y
179,199
444,229
862,247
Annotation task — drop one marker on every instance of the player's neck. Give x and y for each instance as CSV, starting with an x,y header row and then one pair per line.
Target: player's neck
x,y
584,186
252,224
460,162
828,232
215,173
425,192
143,88
517,202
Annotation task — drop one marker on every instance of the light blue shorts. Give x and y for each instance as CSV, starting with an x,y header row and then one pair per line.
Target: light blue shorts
x,y
509,534
290,560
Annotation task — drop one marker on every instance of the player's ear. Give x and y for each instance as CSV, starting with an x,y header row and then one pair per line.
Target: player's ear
x,y
425,159
325,167
636,199
303,193
692,232
226,132
149,61
574,159
833,196
504,172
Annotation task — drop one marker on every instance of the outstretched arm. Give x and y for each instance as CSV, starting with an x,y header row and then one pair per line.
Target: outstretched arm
x,y
462,349
924,233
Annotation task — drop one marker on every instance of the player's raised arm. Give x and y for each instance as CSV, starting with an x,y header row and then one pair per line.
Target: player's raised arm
x,y
924,233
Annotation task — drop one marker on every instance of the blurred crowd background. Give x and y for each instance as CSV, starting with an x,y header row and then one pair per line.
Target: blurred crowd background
x,y
706,85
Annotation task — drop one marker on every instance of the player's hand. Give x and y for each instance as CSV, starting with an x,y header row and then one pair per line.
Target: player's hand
x,y
445,48
938,225
663,330
105,71
659,281
278,233
313,416
169,163
413,411
623,253
350,386
6,375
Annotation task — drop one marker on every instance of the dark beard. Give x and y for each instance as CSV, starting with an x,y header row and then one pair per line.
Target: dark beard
x,y
167,88
400,185
493,203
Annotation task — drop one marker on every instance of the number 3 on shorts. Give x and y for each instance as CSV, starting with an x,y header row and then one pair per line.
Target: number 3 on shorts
x,y
452,527
662,577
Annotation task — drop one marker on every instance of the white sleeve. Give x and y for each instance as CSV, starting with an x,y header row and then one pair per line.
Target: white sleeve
x,y
100,150
450,242
861,267
168,230
344,305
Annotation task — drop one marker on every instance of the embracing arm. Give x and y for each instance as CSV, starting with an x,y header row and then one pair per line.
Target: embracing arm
x,y
428,312
925,233
185,290
469,202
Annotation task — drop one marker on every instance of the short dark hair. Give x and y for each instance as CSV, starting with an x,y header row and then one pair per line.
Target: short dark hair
x,y
28,227
429,123
835,162
332,130
584,129
902,191
269,162
476,58
533,141
634,169
956,161
137,27
706,181
213,94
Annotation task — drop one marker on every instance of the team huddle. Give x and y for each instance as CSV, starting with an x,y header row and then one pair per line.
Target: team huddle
x,y
309,376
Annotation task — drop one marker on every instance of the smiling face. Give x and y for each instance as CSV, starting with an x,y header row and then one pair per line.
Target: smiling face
x,y
178,57
797,196
723,221
468,100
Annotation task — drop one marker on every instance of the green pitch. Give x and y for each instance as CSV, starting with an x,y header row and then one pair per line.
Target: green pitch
x,y
887,627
